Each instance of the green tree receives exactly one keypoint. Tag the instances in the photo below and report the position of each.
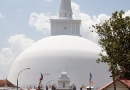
(115, 41)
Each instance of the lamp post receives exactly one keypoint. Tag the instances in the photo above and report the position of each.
(19, 74)
(49, 82)
(46, 74)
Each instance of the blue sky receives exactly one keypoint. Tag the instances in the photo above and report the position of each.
(21, 22)
(17, 12)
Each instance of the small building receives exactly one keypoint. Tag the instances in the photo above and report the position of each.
(64, 82)
(121, 84)
(5, 84)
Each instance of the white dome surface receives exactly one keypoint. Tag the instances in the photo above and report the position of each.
(64, 73)
(51, 55)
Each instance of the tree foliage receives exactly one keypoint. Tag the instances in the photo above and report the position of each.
(115, 40)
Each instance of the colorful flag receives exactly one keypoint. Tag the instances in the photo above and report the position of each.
(41, 77)
(90, 76)
(50, 86)
(30, 87)
(92, 82)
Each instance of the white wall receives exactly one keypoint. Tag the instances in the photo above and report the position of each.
(60, 84)
(65, 27)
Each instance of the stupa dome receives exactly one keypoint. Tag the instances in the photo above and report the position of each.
(51, 55)
(64, 73)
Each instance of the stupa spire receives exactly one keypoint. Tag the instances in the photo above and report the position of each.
(65, 9)
(65, 25)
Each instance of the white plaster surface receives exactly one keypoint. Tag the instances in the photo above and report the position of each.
(76, 55)
(65, 9)
(65, 27)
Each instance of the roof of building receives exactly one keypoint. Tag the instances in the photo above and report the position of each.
(6, 83)
(64, 73)
(121, 80)
(125, 82)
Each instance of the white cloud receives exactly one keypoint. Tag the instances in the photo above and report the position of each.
(48, 0)
(19, 10)
(1, 16)
(87, 21)
(6, 56)
(127, 13)
(18, 43)
(40, 21)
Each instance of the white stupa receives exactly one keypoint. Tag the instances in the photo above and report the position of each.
(65, 49)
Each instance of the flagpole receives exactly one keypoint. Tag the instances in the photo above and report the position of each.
(90, 81)
(90, 84)
(40, 79)
(39, 84)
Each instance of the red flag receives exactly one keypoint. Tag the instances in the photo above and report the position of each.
(41, 77)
